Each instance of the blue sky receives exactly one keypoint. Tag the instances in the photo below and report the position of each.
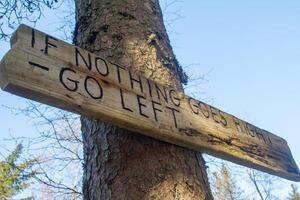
(252, 51)
(249, 51)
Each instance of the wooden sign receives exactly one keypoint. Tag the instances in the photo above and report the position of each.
(45, 69)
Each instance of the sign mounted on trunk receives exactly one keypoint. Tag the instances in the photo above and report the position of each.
(43, 68)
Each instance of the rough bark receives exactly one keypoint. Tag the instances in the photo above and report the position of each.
(120, 164)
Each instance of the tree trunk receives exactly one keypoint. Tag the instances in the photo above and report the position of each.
(120, 164)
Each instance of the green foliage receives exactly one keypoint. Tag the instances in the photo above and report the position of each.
(224, 186)
(14, 176)
(294, 194)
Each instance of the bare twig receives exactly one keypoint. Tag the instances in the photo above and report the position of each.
(15, 12)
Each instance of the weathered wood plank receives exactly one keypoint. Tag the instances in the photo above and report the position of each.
(53, 72)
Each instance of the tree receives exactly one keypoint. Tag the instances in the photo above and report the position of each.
(14, 176)
(58, 147)
(12, 13)
(129, 38)
(119, 164)
(184, 175)
(264, 184)
(225, 186)
(294, 194)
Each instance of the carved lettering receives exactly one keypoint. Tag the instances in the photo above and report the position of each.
(149, 86)
(62, 80)
(88, 62)
(118, 72)
(204, 110)
(155, 109)
(32, 38)
(48, 44)
(123, 101)
(174, 111)
(161, 92)
(223, 119)
(134, 80)
(175, 99)
(214, 114)
(141, 105)
(100, 62)
(86, 86)
(194, 105)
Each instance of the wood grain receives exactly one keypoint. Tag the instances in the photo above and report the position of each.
(45, 69)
